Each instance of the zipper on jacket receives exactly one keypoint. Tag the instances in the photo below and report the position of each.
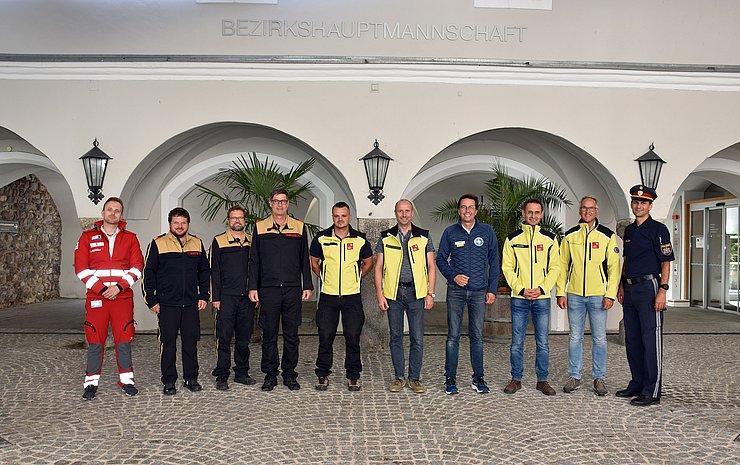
(342, 257)
(587, 250)
(532, 251)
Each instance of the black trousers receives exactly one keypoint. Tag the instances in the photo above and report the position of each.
(186, 321)
(280, 304)
(234, 319)
(327, 318)
(643, 338)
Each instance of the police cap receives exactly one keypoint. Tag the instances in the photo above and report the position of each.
(641, 192)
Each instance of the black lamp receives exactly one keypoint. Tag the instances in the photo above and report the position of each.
(650, 166)
(95, 163)
(376, 168)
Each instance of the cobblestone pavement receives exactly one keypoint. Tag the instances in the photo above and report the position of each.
(43, 419)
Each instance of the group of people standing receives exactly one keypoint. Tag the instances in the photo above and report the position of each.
(270, 270)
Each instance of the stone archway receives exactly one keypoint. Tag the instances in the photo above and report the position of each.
(47, 217)
(167, 176)
(464, 166)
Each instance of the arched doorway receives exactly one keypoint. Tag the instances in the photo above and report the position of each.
(167, 176)
(49, 225)
(465, 165)
(709, 268)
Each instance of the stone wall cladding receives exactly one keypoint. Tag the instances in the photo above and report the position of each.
(29, 261)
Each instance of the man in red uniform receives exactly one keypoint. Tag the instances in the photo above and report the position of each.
(108, 260)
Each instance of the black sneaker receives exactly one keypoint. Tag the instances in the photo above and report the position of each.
(169, 389)
(193, 385)
(354, 385)
(129, 389)
(222, 384)
(323, 383)
(269, 384)
(244, 379)
(90, 391)
(292, 384)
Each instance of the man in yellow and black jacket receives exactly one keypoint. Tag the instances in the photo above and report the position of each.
(588, 283)
(234, 311)
(279, 278)
(176, 286)
(531, 263)
(340, 256)
(405, 275)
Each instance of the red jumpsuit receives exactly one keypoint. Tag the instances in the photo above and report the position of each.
(98, 269)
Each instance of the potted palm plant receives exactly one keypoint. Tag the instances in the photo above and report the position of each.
(249, 182)
(504, 197)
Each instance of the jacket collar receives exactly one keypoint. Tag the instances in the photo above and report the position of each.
(414, 231)
(99, 225)
(330, 231)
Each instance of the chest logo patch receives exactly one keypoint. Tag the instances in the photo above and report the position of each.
(666, 249)
(540, 247)
(350, 246)
(96, 237)
(459, 243)
(415, 248)
(478, 241)
(594, 245)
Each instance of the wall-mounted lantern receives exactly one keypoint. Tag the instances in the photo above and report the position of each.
(95, 163)
(376, 168)
(650, 166)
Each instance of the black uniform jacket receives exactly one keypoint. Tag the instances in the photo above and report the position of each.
(176, 274)
(279, 255)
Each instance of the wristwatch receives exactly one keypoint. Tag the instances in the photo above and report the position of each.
(664, 286)
(432, 294)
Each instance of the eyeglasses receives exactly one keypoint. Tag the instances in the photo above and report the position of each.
(589, 209)
(466, 207)
(236, 218)
(279, 201)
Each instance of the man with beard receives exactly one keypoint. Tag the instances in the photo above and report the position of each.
(176, 279)
(108, 260)
(234, 311)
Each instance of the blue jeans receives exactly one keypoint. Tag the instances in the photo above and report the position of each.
(520, 310)
(578, 306)
(407, 302)
(457, 297)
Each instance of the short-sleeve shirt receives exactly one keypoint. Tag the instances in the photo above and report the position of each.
(645, 247)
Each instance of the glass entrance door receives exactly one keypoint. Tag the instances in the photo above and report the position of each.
(696, 259)
(715, 257)
(732, 261)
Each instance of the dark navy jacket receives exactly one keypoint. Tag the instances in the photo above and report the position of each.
(646, 247)
(475, 255)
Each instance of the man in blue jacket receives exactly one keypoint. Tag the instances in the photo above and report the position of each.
(468, 258)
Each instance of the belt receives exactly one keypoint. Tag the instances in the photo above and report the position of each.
(639, 279)
(411, 284)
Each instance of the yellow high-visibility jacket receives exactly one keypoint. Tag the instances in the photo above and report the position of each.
(590, 262)
(393, 256)
(531, 259)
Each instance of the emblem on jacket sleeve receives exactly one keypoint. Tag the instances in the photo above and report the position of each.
(478, 241)
(666, 249)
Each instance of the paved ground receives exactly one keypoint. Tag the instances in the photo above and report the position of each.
(67, 316)
(43, 419)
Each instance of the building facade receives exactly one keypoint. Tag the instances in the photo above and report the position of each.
(574, 91)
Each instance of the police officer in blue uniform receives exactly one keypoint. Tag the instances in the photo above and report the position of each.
(642, 293)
